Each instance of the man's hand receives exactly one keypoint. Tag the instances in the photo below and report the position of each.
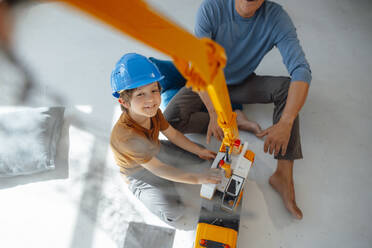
(277, 137)
(207, 154)
(214, 129)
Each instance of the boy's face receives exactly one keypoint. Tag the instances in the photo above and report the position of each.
(145, 100)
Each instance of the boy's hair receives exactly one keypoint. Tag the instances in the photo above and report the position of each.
(126, 96)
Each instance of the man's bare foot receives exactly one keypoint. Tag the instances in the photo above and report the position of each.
(245, 124)
(285, 188)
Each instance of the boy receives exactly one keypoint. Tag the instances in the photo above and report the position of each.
(135, 143)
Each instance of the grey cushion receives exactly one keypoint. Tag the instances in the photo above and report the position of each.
(28, 139)
(141, 235)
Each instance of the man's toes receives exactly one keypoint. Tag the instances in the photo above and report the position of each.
(295, 211)
(257, 129)
(250, 126)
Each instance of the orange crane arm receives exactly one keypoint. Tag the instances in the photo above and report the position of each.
(199, 60)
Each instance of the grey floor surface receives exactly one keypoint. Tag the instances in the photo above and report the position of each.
(73, 55)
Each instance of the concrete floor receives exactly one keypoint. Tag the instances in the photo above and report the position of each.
(73, 55)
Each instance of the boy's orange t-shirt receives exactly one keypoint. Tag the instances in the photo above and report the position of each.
(133, 144)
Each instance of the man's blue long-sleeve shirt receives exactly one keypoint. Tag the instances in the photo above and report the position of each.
(248, 40)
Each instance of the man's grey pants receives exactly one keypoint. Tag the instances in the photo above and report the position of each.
(159, 195)
(187, 113)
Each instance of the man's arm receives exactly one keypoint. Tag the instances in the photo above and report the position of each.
(180, 140)
(285, 38)
(176, 175)
(204, 21)
(297, 94)
(213, 128)
(278, 135)
(204, 28)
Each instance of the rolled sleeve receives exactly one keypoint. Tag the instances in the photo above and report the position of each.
(301, 74)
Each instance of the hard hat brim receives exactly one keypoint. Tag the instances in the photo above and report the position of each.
(137, 85)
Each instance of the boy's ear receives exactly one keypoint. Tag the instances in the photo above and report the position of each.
(124, 103)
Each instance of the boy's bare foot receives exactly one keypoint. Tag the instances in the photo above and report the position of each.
(245, 124)
(285, 188)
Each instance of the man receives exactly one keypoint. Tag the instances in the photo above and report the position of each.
(248, 30)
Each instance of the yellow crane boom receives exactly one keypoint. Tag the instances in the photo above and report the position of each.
(200, 61)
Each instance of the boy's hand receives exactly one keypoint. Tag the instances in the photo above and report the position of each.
(207, 154)
(210, 176)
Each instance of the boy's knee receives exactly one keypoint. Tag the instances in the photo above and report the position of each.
(173, 213)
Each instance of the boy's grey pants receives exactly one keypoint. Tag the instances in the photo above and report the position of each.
(159, 195)
(186, 111)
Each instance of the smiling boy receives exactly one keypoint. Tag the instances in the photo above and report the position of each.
(135, 144)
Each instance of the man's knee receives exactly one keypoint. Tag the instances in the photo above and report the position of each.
(282, 92)
(196, 122)
(182, 107)
(176, 121)
(176, 116)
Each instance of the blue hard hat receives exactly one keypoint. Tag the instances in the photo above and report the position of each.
(132, 71)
